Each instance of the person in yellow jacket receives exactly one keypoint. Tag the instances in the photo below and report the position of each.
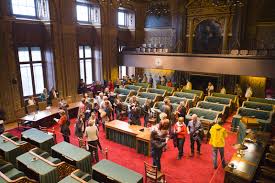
(217, 140)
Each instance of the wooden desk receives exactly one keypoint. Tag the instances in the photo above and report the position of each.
(45, 117)
(247, 165)
(73, 155)
(107, 171)
(133, 136)
(38, 138)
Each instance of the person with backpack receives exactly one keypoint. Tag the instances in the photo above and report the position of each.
(64, 125)
(217, 140)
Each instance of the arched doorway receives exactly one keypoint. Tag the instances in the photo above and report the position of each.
(208, 37)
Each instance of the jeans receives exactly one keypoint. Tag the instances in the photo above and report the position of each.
(156, 162)
(180, 146)
(66, 138)
(215, 156)
(192, 142)
(93, 149)
(146, 119)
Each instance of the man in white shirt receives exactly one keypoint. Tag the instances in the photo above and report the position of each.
(248, 92)
(210, 89)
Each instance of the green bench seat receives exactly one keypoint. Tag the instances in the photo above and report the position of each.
(203, 114)
(199, 93)
(158, 105)
(191, 96)
(8, 169)
(152, 96)
(218, 100)
(160, 92)
(258, 106)
(133, 88)
(123, 93)
(261, 100)
(230, 96)
(140, 100)
(215, 107)
(144, 86)
(169, 90)
(178, 100)
(263, 117)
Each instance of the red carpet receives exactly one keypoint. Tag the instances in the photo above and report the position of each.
(198, 169)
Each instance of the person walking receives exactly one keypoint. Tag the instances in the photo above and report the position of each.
(195, 129)
(180, 131)
(91, 134)
(217, 140)
(157, 145)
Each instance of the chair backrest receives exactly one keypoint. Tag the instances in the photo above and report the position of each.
(55, 102)
(21, 112)
(42, 105)
(31, 108)
(69, 99)
(150, 171)
(81, 143)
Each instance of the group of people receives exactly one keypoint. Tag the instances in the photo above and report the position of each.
(160, 136)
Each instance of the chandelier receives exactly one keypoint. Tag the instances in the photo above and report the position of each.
(230, 3)
(158, 8)
(115, 2)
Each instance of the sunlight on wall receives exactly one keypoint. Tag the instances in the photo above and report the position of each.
(258, 84)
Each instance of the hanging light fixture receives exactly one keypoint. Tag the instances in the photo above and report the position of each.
(158, 8)
(230, 3)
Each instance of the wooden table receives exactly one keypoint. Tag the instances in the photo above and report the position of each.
(133, 136)
(107, 171)
(45, 117)
(247, 164)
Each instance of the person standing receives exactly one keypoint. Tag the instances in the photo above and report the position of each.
(249, 92)
(217, 140)
(44, 95)
(210, 89)
(79, 126)
(91, 133)
(146, 111)
(180, 131)
(64, 125)
(157, 145)
(195, 129)
(151, 80)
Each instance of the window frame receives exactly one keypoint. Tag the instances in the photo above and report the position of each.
(84, 62)
(127, 13)
(90, 9)
(31, 63)
(25, 16)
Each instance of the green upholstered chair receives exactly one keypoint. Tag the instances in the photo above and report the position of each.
(230, 96)
(203, 114)
(258, 106)
(123, 93)
(144, 86)
(160, 92)
(152, 96)
(219, 100)
(169, 90)
(199, 93)
(262, 100)
(215, 107)
(134, 88)
(263, 117)
(178, 100)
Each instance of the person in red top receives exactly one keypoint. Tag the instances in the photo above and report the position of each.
(180, 130)
(64, 125)
(169, 83)
(111, 86)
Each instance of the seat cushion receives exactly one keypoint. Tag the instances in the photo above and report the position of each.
(14, 174)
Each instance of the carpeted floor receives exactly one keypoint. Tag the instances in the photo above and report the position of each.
(198, 169)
